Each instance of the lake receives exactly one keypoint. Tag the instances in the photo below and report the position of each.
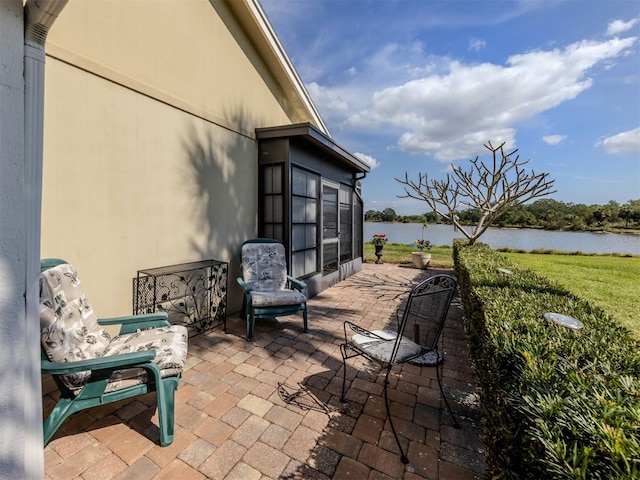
(525, 239)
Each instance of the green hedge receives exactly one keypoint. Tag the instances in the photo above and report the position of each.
(556, 403)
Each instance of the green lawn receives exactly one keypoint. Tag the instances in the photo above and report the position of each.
(441, 257)
(611, 282)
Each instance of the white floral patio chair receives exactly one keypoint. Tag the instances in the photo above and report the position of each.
(268, 291)
(92, 368)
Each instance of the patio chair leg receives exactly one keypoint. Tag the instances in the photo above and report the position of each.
(439, 376)
(243, 309)
(250, 323)
(344, 369)
(403, 457)
(60, 412)
(304, 318)
(166, 404)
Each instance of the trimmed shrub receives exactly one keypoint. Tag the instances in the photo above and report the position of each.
(556, 403)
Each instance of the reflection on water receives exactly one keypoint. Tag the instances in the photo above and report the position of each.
(525, 239)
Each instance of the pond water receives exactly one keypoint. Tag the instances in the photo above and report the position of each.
(525, 239)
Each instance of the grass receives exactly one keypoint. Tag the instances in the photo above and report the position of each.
(441, 257)
(611, 282)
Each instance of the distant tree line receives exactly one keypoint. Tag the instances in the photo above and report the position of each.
(544, 213)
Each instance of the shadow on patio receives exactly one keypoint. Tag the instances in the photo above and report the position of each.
(271, 409)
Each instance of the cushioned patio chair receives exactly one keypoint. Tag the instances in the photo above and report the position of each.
(92, 368)
(268, 291)
(415, 340)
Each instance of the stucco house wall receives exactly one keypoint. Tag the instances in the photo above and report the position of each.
(150, 156)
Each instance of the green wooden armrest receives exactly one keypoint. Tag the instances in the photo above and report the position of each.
(130, 319)
(247, 291)
(297, 284)
(124, 360)
(245, 286)
(131, 323)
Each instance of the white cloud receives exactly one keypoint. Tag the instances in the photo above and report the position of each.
(368, 159)
(554, 139)
(595, 179)
(476, 45)
(331, 100)
(628, 141)
(451, 115)
(421, 70)
(619, 26)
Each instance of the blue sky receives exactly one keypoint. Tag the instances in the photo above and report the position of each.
(416, 85)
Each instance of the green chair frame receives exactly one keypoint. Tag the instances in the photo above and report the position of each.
(93, 393)
(251, 313)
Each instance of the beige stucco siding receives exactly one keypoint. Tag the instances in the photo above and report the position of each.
(192, 51)
(149, 150)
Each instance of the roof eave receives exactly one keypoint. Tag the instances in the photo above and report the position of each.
(254, 20)
(311, 133)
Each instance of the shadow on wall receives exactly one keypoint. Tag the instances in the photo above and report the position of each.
(222, 172)
(12, 339)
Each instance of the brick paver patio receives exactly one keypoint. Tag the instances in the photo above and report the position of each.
(270, 409)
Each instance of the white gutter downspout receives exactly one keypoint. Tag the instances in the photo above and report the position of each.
(39, 16)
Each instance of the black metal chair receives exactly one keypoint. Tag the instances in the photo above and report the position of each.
(419, 325)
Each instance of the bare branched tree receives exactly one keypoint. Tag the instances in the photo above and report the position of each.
(492, 190)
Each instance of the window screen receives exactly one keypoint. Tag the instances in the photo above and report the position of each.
(304, 222)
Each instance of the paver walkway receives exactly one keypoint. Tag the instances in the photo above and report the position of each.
(270, 409)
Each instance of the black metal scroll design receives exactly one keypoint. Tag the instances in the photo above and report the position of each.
(195, 298)
(302, 398)
(379, 285)
(440, 282)
(218, 275)
(387, 286)
(361, 331)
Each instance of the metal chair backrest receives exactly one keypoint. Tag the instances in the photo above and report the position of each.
(425, 312)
